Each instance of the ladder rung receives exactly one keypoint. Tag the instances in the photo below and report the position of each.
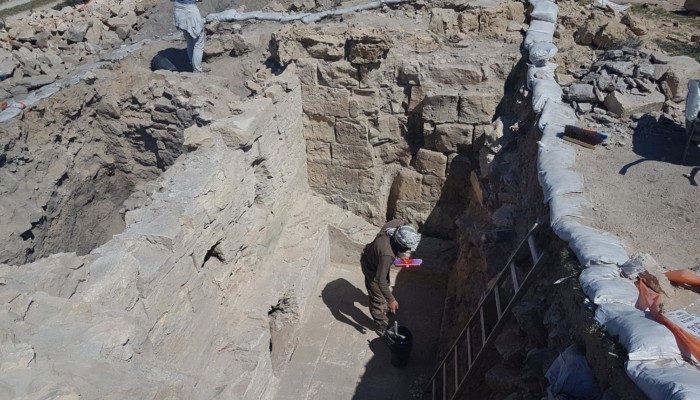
(497, 295)
(476, 357)
(456, 366)
(533, 249)
(444, 382)
(469, 349)
(483, 326)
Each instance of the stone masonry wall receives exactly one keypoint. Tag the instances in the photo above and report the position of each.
(395, 121)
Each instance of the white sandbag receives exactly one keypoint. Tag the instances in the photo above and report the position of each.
(665, 379)
(562, 206)
(551, 158)
(545, 71)
(687, 321)
(125, 50)
(557, 114)
(554, 158)
(608, 311)
(9, 113)
(692, 102)
(558, 182)
(607, 5)
(539, 32)
(540, 52)
(233, 15)
(603, 284)
(315, 17)
(551, 139)
(570, 375)
(543, 90)
(15, 108)
(595, 247)
(544, 10)
(644, 338)
(226, 15)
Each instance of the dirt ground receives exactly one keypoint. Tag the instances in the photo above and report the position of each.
(635, 182)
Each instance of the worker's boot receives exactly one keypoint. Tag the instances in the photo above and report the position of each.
(381, 330)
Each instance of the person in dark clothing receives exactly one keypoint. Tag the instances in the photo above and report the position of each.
(393, 241)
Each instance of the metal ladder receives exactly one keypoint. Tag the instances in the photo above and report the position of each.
(469, 350)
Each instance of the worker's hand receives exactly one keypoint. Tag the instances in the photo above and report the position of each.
(393, 306)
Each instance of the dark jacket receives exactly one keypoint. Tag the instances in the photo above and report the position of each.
(378, 257)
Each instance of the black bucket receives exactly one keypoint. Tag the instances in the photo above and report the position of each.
(400, 345)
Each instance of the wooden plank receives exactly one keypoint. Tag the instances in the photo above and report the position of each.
(578, 142)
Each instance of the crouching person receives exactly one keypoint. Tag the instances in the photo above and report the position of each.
(395, 240)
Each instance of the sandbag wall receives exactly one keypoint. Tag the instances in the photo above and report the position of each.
(655, 362)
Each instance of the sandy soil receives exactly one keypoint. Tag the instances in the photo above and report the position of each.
(638, 189)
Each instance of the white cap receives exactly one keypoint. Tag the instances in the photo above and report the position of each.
(407, 237)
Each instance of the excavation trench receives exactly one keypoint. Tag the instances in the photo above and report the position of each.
(224, 234)
(70, 165)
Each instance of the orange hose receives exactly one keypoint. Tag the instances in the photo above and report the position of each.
(683, 276)
(650, 299)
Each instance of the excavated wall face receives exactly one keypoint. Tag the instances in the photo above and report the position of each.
(416, 131)
(183, 302)
(396, 121)
(412, 126)
(70, 163)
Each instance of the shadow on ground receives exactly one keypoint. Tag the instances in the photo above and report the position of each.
(340, 297)
(171, 59)
(663, 141)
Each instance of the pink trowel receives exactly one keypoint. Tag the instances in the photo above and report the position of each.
(408, 262)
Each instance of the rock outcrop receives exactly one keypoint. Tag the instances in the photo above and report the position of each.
(217, 258)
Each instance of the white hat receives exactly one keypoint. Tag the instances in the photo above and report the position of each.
(407, 237)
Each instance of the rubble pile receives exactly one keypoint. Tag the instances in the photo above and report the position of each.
(625, 82)
(48, 44)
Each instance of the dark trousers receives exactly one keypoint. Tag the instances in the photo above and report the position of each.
(377, 303)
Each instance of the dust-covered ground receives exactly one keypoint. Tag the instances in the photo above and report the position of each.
(635, 181)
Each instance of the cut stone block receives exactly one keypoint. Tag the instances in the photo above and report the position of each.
(356, 157)
(453, 74)
(450, 137)
(318, 152)
(625, 105)
(322, 100)
(581, 92)
(431, 162)
(348, 131)
(478, 107)
(441, 106)
(320, 128)
(407, 185)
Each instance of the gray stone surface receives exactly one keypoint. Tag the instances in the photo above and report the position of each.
(441, 106)
(581, 92)
(338, 354)
(625, 105)
(178, 303)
